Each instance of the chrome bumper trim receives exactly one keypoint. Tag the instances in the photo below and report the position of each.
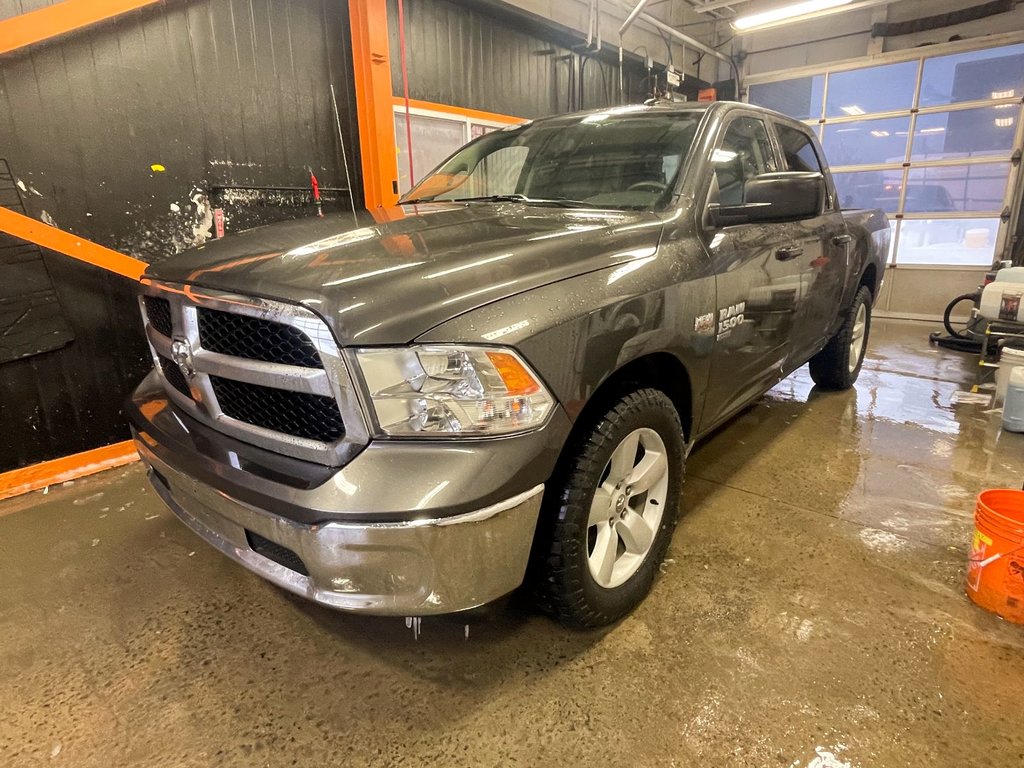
(413, 568)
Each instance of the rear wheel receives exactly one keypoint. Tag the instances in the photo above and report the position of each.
(608, 521)
(838, 365)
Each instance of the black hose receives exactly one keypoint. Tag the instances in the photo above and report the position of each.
(957, 340)
(947, 315)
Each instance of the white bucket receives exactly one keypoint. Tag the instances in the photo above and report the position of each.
(1013, 410)
(1009, 358)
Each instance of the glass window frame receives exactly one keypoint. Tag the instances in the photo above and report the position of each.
(978, 49)
(455, 114)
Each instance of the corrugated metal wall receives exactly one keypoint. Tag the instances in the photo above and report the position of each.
(468, 54)
(214, 91)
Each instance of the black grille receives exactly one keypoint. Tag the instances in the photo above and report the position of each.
(159, 313)
(174, 376)
(293, 413)
(256, 339)
(274, 551)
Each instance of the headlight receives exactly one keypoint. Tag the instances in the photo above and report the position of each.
(439, 391)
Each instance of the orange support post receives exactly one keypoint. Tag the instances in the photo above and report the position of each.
(59, 19)
(44, 235)
(371, 61)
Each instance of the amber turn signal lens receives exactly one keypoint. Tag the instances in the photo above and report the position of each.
(518, 380)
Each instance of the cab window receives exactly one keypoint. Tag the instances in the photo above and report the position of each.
(745, 152)
(798, 149)
(800, 154)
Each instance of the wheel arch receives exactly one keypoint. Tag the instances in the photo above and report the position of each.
(869, 279)
(658, 370)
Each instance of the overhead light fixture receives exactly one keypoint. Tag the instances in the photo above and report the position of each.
(785, 13)
(853, 109)
(1003, 122)
(879, 134)
(1007, 94)
(936, 129)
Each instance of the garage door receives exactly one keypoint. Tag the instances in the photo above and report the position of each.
(933, 140)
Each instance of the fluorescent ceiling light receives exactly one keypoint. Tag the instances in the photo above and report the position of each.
(880, 134)
(936, 129)
(785, 13)
(853, 109)
(1008, 94)
(1003, 122)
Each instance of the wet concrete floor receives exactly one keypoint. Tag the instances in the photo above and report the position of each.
(811, 613)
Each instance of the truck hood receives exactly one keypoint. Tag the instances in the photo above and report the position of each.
(390, 275)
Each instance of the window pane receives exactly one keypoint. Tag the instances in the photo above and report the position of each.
(990, 74)
(433, 139)
(966, 133)
(797, 149)
(868, 141)
(870, 189)
(498, 173)
(476, 130)
(874, 89)
(968, 242)
(799, 98)
(745, 153)
(957, 188)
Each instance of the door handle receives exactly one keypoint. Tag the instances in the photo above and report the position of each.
(841, 239)
(789, 252)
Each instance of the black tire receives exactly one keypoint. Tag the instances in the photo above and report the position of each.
(563, 583)
(831, 368)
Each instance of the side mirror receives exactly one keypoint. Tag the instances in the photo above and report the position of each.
(773, 198)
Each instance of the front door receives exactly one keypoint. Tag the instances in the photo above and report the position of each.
(758, 276)
(823, 251)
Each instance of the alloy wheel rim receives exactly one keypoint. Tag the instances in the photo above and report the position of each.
(859, 337)
(627, 508)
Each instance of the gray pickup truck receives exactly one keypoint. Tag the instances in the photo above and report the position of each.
(500, 378)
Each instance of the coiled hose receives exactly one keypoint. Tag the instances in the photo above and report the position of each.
(959, 340)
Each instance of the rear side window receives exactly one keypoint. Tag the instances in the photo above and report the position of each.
(798, 149)
(746, 152)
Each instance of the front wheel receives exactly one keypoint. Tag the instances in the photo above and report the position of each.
(838, 365)
(608, 519)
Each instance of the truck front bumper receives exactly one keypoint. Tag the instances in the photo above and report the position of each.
(406, 528)
(414, 568)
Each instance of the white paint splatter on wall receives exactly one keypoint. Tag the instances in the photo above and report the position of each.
(202, 229)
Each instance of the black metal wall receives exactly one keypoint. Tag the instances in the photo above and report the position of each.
(213, 92)
(470, 53)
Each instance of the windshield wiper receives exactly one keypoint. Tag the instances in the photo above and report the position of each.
(562, 202)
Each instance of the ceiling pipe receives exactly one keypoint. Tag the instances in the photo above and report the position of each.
(632, 16)
(714, 6)
(686, 39)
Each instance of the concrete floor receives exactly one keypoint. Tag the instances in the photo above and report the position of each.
(811, 613)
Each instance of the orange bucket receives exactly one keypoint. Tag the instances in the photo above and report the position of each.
(995, 572)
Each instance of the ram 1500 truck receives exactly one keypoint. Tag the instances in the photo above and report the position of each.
(500, 378)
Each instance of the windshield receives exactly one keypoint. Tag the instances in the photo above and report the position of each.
(605, 160)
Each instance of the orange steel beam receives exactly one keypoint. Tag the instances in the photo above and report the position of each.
(371, 59)
(76, 247)
(19, 481)
(70, 245)
(59, 19)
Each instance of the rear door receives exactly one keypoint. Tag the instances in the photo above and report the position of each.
(821, 251)
(758, 280)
